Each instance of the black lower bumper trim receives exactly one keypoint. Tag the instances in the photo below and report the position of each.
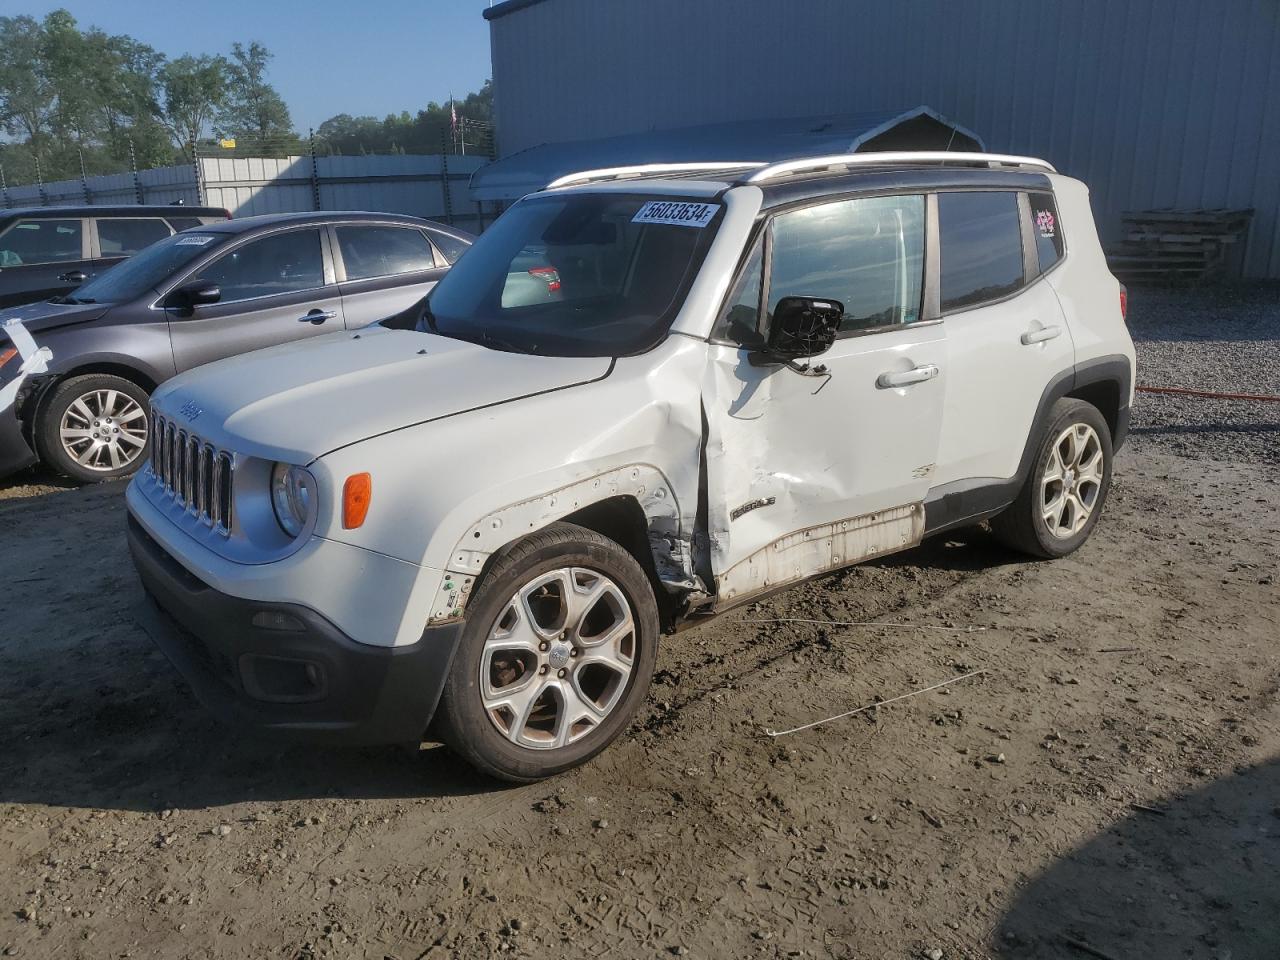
(15, 452)
(284, 667)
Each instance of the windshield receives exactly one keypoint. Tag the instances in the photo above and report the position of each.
(587, 275)
(146, 270)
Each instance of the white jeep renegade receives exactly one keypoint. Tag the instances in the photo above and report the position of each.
(643, 397)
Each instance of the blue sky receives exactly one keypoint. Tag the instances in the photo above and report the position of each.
(331, 56)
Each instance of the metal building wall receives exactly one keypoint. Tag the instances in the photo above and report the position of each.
(1154, 103)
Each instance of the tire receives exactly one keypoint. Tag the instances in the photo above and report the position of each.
(94, 427)
(537, 686)
(1045, 520)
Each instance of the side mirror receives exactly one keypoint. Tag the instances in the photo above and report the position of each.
(801, 327)
(195, 294)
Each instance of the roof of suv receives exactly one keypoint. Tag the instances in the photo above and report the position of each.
(115, 210)
(808, 177)
(271, 219)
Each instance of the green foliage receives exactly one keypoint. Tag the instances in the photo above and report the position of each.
(429, 131)
(71, 97)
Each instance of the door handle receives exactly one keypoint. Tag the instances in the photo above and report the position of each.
(73, 276)
(1041, 335)
(904, 378)
(318, 316)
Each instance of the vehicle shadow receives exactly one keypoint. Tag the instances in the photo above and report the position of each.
(1196, 879)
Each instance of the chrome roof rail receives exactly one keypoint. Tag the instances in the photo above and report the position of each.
(648, 170)
(892, 158)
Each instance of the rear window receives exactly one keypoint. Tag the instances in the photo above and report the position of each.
(125, 236)
(450, 247)
(980, 248)
(1047, 230)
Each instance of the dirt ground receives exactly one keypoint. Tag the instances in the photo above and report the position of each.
(1111, 783)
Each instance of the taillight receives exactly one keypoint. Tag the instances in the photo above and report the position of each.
(548, 274)
(7, 355)
(1124, 302)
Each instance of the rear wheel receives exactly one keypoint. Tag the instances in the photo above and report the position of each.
(1062, 498)
(559, 646)
(94, 427)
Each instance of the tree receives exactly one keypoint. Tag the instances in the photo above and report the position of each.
(253, 109)
(195, 89)
(27, 100)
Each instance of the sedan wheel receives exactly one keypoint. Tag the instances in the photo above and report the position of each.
(104, 430)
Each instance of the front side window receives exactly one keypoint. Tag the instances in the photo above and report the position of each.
(145, 273)
(30, 242)
(124, 237)
(1047, 230)
(370, 251)
(740, 322)
(280, 263)
(576, 275)
(979, 248)
(450, 247)
(866, 253)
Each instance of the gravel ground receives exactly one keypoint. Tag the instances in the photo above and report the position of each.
(1110, 781)
(1224, 339)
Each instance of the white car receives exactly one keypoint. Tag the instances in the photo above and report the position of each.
(748, 375)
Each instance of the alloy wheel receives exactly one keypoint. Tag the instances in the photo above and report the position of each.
(104, 430)
(1072, 480)
(557, 658)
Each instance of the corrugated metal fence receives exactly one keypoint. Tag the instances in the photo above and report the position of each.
(433, 186)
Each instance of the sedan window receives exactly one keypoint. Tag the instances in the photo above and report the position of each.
(450, 246)
(373, 251)
(279, 263)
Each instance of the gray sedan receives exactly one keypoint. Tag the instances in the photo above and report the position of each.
(76, 371)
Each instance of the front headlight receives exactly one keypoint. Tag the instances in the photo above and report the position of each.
(293, 497)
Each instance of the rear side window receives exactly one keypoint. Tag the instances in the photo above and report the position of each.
(369, 251)
(124, 237)
(866, 253)
(186, 223)
(980, 248)
(40, 241)
(1047, 230)
(451, 247)
(280, 263)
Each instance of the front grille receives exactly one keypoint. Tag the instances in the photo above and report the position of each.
(196, 474)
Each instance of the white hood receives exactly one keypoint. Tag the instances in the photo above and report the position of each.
(299, 401)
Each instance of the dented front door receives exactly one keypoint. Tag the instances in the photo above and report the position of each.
(807, 473)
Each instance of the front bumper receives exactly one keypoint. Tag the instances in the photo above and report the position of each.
(15, 452)
(284, 667)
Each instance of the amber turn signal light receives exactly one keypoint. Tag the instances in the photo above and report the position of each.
(356, 493)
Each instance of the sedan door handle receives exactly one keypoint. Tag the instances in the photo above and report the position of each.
(73, 276)
(905, 378)
(318, 316)
(1041, 335)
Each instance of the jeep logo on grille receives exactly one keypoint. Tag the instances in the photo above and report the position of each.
(190, 411)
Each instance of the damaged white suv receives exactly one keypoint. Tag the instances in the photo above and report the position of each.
(643, 397)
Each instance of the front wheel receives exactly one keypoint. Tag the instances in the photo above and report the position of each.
(1062, 497)
(557, 653)
(94, 427)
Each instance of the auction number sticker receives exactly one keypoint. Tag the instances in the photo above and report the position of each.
(196, 240)
(677, 213)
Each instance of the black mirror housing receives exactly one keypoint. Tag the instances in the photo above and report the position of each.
(196, 294)
(803, 327)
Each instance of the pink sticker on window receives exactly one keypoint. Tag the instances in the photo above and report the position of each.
(1045, 223)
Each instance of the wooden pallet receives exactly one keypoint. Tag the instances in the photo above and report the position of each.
(1181, 245)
